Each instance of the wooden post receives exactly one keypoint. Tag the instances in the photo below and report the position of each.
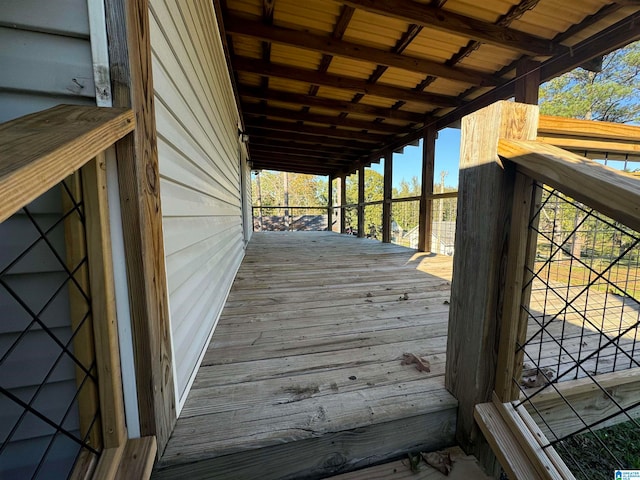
(426, 201)
(287, 220)
(342, 200)
(484, 215)
(387, 193)
(361, 202)
(330, 204)
(527, 81)
(137, 156)
(103, 303)
(259, 200)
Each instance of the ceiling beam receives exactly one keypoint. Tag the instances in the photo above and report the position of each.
(261, 142)
(312, 130)
(252, 65)
(614, 37)
(438, 19)
(283, 157)
(285, 113)
(264, 151)
(236, 25)
(330, 104)
(285, 167)
(312, 139)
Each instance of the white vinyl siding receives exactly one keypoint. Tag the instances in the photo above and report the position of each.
(45, 60)
(197, 124)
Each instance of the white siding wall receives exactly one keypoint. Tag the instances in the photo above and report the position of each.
(197, 124)
(45, 59)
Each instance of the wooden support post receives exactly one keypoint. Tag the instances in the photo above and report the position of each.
(387, 193)
(330, 203)
(103, 303)
(527, 81)
(426, 202)
(484, 215)
(137, 156)
(342, 200)
(361, 202)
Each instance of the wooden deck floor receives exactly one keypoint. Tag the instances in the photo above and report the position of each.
(303, 376)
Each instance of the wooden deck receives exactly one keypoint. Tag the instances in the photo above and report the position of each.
(303, 377)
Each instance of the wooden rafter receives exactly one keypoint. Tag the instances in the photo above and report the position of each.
(312, 130)
(310, 138)
(261, 150)
(245, 64)
(284, 145)
(285, 113)
(330, 104)
(241, 26)
(431, 17)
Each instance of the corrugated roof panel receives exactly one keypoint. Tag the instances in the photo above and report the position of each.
(335, 93)
(351, 68)
(249, 7)
(250, 79)
(375, 30)
(316, 15)
(247, 47)
(435, 45)
(295, 57)
(290, 86)
(488, 10)
(401, 78)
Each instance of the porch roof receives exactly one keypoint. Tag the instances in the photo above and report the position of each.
(326, 86)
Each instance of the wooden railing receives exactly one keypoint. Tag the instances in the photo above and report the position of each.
(37, 152)
(503, 157)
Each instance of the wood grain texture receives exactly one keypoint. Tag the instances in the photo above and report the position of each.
(438, 19)
(426, 199)
(103, 303)
(465, 467)
(609, 191)
(236, 25)
(304, 373)
(81, 320)
(517, 260)
(132, 86)
(484, 214)
(38, 151)
(137, 458)
(588, 400)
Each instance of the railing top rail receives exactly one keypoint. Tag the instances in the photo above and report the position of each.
(592, 138)
(38, 151)
(614, 193)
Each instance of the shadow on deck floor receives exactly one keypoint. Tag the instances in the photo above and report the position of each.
(303, 375)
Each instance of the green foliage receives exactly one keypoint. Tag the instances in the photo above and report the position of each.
(373, 191)
(304, 190)
(611, 95)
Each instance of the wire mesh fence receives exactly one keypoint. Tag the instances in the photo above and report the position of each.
(274, 219)
(582, 337)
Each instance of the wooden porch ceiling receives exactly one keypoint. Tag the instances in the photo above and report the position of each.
(326, 86)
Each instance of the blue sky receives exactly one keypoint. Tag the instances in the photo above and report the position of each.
(409, 163)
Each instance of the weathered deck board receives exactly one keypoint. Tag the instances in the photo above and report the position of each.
(303, 375)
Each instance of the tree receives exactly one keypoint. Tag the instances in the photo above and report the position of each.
(612, 95)
(373, 191)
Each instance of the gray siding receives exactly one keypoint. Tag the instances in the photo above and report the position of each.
(45, 60)
(198, 148)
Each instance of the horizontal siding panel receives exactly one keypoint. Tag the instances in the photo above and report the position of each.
(18, 232)
(192, 171)
(181, 201)
(62, 17)
(200, 259)
(174, 228)
(52, 401)
(18, 104)
(17, 461)
(200, 173)
(14, 316)
(32, 360)
(46, 63)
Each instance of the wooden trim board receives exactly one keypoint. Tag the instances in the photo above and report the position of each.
(40, 150)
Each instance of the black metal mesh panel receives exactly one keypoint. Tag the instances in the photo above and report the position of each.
(48, 383)
(583, 320)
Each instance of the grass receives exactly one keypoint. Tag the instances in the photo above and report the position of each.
(626, 277)
(594, 461)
